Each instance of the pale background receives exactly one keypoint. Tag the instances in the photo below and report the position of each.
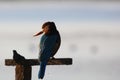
(90, 32)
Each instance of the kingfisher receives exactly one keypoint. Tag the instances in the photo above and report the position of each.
(49, 44)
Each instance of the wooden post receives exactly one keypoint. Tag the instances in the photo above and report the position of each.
(27, 72)
(19, 72)
(24, 72)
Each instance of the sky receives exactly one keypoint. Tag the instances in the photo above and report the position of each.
(73, 11)
(90, 33)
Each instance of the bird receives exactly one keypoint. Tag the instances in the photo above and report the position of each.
(56, 46)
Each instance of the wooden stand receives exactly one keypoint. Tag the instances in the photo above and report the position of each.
(24, 72)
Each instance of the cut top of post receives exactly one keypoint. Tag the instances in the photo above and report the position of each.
(32, 62)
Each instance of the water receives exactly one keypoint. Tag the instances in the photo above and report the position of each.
(92, 59)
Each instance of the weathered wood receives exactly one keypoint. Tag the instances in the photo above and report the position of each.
(27, 72)
(19, 72)
(32, 62)
(23, 71)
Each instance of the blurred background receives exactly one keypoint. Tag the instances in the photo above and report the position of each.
(90, 32)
